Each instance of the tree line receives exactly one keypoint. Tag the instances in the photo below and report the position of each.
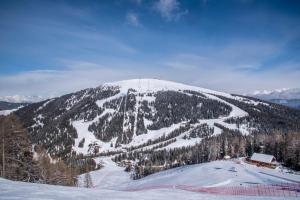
(21, 161)
(285, 146)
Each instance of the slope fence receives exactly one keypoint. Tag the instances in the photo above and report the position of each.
(273, 190)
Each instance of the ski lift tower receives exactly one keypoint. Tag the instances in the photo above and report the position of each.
(139, 87)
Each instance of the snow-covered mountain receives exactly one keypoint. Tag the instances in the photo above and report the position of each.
(146, 114)
(22, 99)
(285, 96)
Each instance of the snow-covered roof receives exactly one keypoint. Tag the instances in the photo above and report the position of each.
(262, 157)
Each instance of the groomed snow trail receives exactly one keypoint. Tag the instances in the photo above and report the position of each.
(31, 191)
(218, 180)
(232, 177)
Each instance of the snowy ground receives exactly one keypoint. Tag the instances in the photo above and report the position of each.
(29, 191)
(7, 112)
(217, 173)
(112, 182)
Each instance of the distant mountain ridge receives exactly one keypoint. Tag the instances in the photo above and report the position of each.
(284, 93)
(22, 98)
(9, 106)
(287, 97)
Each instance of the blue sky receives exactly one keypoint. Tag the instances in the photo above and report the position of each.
(53, 47)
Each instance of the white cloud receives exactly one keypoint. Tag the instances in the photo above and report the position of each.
(132, 19)
(58, 82)
(239, 67)
(231, 68)
(236, 56)
(169, 9)
(87, 37)
(82, 74)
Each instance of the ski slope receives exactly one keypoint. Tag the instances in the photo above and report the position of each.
(213, 177)
(143, 87)
(201, 181)
(229, 173)
(30, 191)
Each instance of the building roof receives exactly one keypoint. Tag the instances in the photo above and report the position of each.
(262, 157)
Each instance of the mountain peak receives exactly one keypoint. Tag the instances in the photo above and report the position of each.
(154, 85)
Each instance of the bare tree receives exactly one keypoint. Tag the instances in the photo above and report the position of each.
(88, 180)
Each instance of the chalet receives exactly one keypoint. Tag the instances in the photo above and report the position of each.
(263, 160)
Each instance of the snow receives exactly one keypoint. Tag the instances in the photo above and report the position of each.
(73, 100)
(217, 131)
(43, 106)
(227, 182)
(155, 85)
(216, 173)
(7, 112)
(235, 113)
(144, 87)
(147, 122)
(38, 121)
(112, 182)
(136, 113)
(180, 142)
(31, 191)
(107, 177)
(102, 101)
(262, 157)
(83, 132)
(250, 101)
(154, 134)
(145, 90)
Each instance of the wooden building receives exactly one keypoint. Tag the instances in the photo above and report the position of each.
(263, 160)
